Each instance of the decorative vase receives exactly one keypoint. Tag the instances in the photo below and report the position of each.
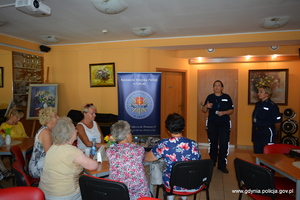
(45, 105)
(7, 139)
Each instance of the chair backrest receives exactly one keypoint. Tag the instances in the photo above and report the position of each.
(191, 174)
(279, 148)
(94, 188)
(256, 178)
(24, 193)
(17, 155)
(20, 176)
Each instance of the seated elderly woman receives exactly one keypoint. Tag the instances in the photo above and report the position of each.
(174, 149)
(126, 161)
(64, 163)
(13, 123)
(42, 141)
(88, 128)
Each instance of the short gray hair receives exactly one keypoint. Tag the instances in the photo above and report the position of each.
(62, 131)
(119, 130)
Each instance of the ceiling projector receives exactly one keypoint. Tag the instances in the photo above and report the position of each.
(33, 7)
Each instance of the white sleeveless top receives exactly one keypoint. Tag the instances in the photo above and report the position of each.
(90, 132)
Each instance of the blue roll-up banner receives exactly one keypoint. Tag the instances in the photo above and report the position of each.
(139, 101)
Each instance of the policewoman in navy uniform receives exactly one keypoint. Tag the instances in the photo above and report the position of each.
(266, 120)
(219, 106)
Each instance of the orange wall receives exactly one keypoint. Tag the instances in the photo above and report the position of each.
(69, 67)
(6, 91)
(244, 110)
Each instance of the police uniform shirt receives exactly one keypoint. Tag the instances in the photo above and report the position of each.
(266, 114)
(220, 103)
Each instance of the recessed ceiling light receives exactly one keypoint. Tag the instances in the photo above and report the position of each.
(110, 6)
(275, 22)
(210, 50)
(49, 38)
(142, 31)
(274, 48)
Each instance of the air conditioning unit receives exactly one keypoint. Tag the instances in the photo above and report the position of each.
(33, 7)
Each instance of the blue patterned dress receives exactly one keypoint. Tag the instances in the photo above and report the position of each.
(126, 165)
(175, 149)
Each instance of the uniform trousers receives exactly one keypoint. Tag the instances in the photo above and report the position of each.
(262, 136)
(219, 135)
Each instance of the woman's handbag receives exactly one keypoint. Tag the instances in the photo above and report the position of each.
(156, 172)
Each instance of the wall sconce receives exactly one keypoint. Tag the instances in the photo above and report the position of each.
(142, 31)
(110, 6)
(275, 22)
(49, 38)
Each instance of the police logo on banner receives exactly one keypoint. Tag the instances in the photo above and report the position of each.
(139, 104)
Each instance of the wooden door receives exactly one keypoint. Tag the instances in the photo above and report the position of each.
(173, 96)
(206, 79)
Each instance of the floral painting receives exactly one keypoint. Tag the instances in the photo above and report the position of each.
(102, 75)
(41, 96)
(276, 79)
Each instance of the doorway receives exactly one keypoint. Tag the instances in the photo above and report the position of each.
(206, 79)
(173, 96)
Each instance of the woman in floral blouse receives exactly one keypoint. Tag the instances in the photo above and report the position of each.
(174, 149)
(126, 161)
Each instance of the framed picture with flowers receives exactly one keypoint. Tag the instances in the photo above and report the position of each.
(41, 96)
(277, 79)
(102, 75)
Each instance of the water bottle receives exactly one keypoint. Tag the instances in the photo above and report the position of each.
(136, 140)
(93, 149)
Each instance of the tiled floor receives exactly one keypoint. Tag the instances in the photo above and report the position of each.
(221, 186)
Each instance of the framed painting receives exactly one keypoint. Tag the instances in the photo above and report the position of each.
(102, 75)
(41, 96)
(277, 79)
(1, 77)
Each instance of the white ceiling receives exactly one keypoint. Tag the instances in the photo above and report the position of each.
(78, 21)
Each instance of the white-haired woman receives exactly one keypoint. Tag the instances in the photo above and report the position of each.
(126, 161)
(42, 141)
(64, 163)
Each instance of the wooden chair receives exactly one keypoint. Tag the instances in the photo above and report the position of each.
(190, 175)
(94, 188)
(254, 179)
(24, 193)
